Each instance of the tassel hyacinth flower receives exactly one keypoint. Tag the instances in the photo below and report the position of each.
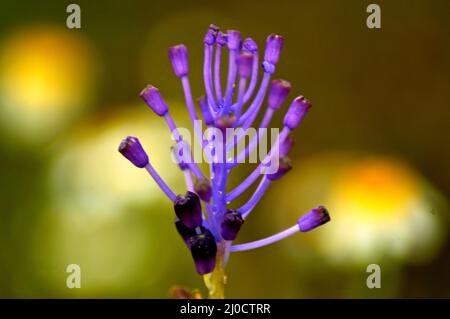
(205, 216)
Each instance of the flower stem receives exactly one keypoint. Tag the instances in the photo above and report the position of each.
(215, 281)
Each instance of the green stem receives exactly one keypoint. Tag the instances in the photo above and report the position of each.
(215, 281)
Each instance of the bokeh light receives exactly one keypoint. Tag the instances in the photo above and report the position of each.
(381, 209)
(46, 79)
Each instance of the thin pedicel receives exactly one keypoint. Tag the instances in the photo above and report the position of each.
(203, 215)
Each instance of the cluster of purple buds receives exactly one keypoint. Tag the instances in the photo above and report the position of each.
(203, 216)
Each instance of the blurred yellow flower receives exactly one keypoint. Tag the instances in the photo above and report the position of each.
(45, 79)
(380, 208)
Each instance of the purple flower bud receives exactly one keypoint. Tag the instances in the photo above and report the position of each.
(204, 250)
(284, 166)
(154, 100)
(296, 112)
(131, 148)
(186, 233)
(250, 46)
(221, 38)
(314, 218)
(210, 36)
(234, 40)
(179, 155)
(178, 55)
(286, 145)
(279, 90)
(274, 45)
(203, 188)
(188, 209)
(231, 224)
(206, 113)
(244, 61)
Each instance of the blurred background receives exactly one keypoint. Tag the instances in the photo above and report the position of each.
(374, 149)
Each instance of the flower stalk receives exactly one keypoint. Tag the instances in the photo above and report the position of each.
(205, 216)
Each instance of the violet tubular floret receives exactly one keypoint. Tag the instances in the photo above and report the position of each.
(296, 112)
(178, 55)
(188, 209)
(231, 224)
(131, 148)
(313, 219)
(204, 250)
(154, 100)
(278, 92)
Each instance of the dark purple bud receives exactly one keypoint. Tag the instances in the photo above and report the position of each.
(286, 145)
(314, 218)
(250, 46)
(186, 233)
(178, 55)
(234, 40)
(296, 112)
(221, 38)
(203, 188)
(274, 45)
(245, 61)
(279, 90)
(204, 250)
(231, 224)
(211, 34)
(131, 148)
(178, 152)
(154, 100)
(206, 113)
(284, 166)
(225, 121)
(188, 209)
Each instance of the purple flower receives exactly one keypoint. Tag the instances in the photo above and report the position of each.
(314, 218)
(231, 224)
(178, 55)
(131, 148)
(188, 209)
(209, 226)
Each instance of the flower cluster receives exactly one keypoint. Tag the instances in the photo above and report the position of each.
(204, 217)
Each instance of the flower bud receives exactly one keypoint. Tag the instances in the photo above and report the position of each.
(274, 45)
(153, 98)
(284, 166)
(204, 250)
(231, 224)
(314, 218)
(234, 40)
(178, 55)
(296, 112)
(188, 209)
(250, 46)
(244, 62)
(131, 148)
(221, 38)
(210, 36)
(203, 188)
(279, 90)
